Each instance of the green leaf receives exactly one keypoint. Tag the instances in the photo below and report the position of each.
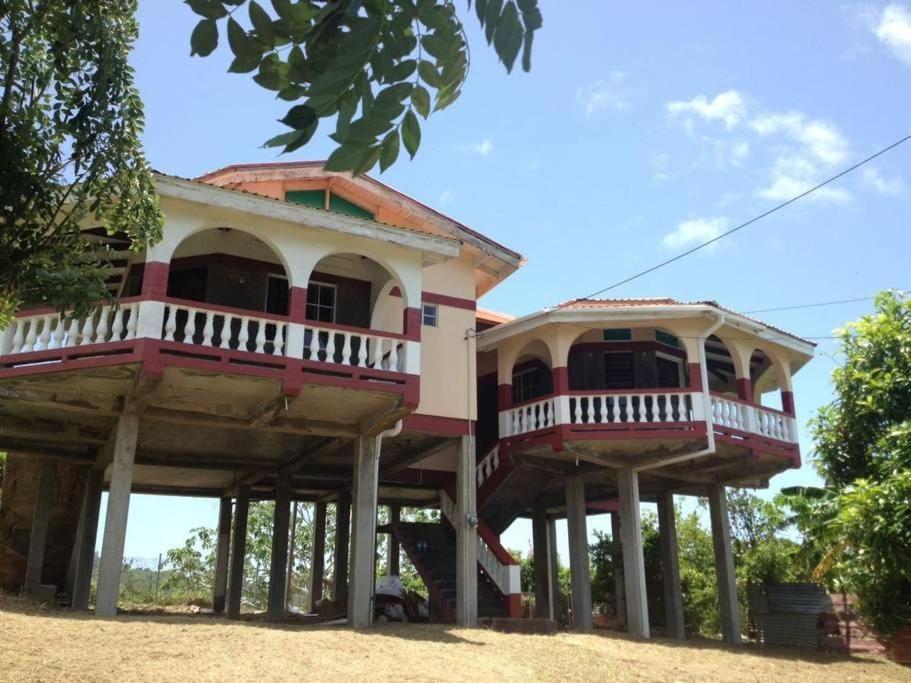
(204, 38)
(210, 9)
(262, 23)
(242, 65)
(420, 100)
(389, 150)
(241, 44)
(283, 139)
(411, 133)
(402, 70)
(491, 17)
(429, 74)
(369, 161)
(299, 117)
(508, 38)
(346, 158)
(302, 139)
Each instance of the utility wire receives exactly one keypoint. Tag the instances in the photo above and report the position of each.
(816, 305)
(749, 222)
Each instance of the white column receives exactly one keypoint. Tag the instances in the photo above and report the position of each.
(363, 531)
(633, 558)
(578, 554)
(150, 319)
(466, 536)
(724, 565)
(115, 521)
(670, 566)
(294, 341)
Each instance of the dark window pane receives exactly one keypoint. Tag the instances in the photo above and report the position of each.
(668, 373)
(618, 371)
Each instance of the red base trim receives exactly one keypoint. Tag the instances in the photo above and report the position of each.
(435, 424)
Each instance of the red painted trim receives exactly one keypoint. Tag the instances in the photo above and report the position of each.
(155, 279)
(297, 305)
(218, 308)
(504, 396)
(493, 542)
(433, 479)
(561, 380)
(694, 370)
(411, 323)
(603, 505)
(435, 424)
(441, 299)
(787, 403)
(514, 605)
(745, 390)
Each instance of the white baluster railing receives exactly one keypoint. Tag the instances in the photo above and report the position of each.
(488, 465)
(653, 408)
(49, 331)
(755, 419)
(228, 331)
(366, 349)
(530, 417)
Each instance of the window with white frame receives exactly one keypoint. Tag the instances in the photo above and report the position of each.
(525, 385)
(321, 301)
(669, 370)
(430, 315)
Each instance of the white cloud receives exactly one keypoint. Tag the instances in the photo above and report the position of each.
(894, 30)
(605, 94)
(794, 175)
(821, 139)
(692, 232)
(873, 178)
(446, 198)
(727, 107)
(482, 148)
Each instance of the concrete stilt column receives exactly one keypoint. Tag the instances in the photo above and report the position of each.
(34, 567)
(633, 558)
(363, 531)
(670, 566)
(578, 554)
(724, 565)
(342, 538)
(85, 541)
(553, 571)
(466, 536)
(238, 551)
(279, 562)
(222, 549)
(115, 521)
(318, 561)
(394, 562)
(619, 585)
(543, 602)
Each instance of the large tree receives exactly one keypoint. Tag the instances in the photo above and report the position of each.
(370, 64)
(70, 155)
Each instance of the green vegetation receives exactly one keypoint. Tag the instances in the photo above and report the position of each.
(70, 126)
(370, 64)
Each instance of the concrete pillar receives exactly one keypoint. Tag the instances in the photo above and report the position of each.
(543, 601)
(41, 516)
(318, 561)
(395, 514)
(553, 571)
(363, 531)
(115, 521)
(342, 536)
(670, 566)
(619, 585)
(85, 541)
(578, 554)
(633, 558)
(466, 536)
(279, 562)
(238, 551)
(724, 565)
(222, 549)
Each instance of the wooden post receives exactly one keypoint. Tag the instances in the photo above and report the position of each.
(619, 581)
(633, 558)
(41, 515)
(85, 542)
(238, 550)
(222, 550)
(670, 566)
(395, 515)
(318, 562)
(466, 536)
(363, 534)
(578, 554)
(724, 565)
(543, 602)
(278, 564)
(342, 537)
(553, 571)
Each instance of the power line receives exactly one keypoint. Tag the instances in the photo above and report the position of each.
(749, 222)
(816, 305)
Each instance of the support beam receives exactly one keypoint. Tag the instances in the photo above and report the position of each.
(466, 527)
(363, 531)
(85, 541)
(318, 561)
(633, 558)
(278, 566)
(115, 521)
(578, 554)
(395, 515)
(41, 515)
(543, 603)
(619, 581)
(342, 537)
(222, 550)
(670, 566)
(238, 550)
(553, 571)
(724, 565)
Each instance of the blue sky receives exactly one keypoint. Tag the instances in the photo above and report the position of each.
(643, 129)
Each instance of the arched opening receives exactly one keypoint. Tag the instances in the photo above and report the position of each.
(355, 291)
(532, 373)
(765, 381)
(232, 268)
(720, 367)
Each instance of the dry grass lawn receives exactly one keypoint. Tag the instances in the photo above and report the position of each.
(41, 644)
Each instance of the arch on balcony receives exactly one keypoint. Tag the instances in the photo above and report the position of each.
(229, 267)
(357, 290)
(721, 366)
(767, 380)
(532, 372)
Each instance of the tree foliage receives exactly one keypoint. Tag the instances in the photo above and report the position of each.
(374, 66)
(70, 154)
(859, 525)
